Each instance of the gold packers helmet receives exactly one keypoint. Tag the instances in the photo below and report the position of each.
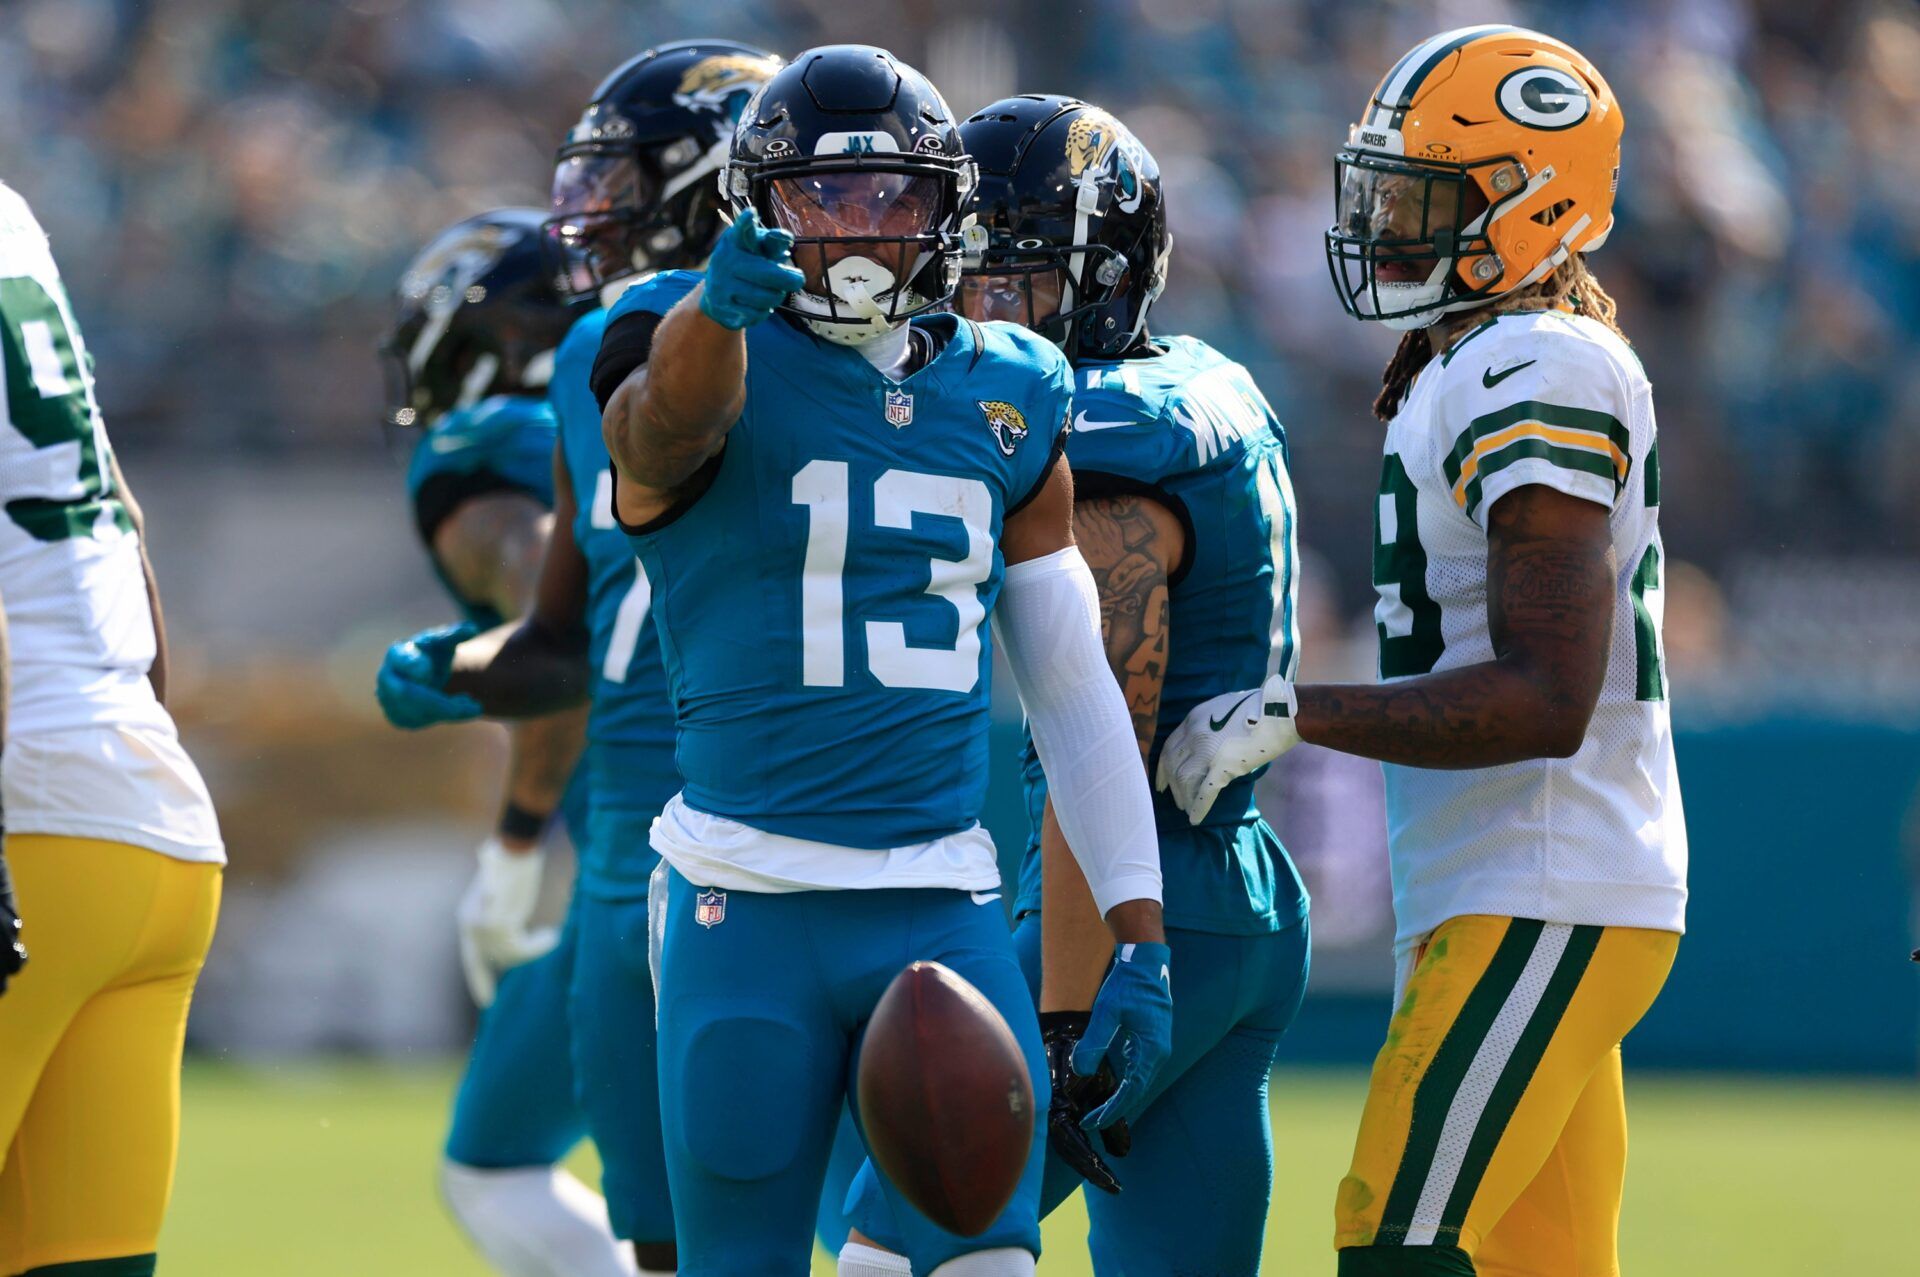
(1487, 156)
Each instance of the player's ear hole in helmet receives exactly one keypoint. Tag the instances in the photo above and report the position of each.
(858, 156)
(633, 184)
(475, 314)
(1072, 224)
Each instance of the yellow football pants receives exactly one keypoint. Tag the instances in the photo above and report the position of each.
(1494, 1139)
(90, 1037)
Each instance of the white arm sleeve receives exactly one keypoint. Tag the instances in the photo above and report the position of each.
(1048, 620)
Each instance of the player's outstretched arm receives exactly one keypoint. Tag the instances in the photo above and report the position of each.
(1551, 578)
(671, 413)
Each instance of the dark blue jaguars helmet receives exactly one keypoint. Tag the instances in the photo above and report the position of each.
(1076, 224)
(633, 184)
(857, 154)
(476, 314)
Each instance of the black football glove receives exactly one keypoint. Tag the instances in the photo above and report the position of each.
(13, 954)
(1074, 1097)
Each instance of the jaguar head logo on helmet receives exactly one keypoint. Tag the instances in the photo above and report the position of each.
(1071, 222)
(725, 81)
(1486, 158)
(1101, 149)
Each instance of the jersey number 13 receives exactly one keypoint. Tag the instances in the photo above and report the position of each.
(821, 486)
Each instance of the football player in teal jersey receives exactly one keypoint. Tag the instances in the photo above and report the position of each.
(833, 488)
(468, 356)
(1184, 510)
(632, 193)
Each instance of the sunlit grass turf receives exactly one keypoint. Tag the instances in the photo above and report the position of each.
(319, 1171)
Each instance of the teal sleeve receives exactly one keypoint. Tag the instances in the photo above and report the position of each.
(1122, 436)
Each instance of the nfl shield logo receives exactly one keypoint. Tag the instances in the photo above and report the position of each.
(710, 908)
(899, 408)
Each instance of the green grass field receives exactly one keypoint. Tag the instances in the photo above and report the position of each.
(320, 1171)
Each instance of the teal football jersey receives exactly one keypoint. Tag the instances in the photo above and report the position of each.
(630, 726)
(507, 437)
(823, 605)
(1188, 427)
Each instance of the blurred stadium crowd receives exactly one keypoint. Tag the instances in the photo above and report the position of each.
(233, 184)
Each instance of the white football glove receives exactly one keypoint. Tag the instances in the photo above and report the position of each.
(1225, 738)
(494, 914)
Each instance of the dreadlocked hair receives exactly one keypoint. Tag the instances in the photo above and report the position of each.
(1570, 285)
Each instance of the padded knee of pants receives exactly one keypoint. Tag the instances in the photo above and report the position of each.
(1405, 1261)
(738, 1133)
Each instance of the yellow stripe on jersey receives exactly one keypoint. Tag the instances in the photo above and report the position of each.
(1581, 439)
(1591, 441)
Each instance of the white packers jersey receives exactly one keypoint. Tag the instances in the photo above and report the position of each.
(89, 750)
(1599, 838)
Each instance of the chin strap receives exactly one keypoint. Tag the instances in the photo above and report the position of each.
(857, 296)
(860, 301)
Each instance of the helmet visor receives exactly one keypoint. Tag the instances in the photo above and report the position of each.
(856, 205)
(598, 200)
(1029, 296)
(1399, 229)
(858, 232)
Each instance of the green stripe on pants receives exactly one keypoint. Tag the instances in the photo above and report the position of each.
(1434, 1099)
(1518, 1072)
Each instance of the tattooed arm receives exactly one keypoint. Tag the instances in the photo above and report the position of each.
(1551, 578)
(1132, 544)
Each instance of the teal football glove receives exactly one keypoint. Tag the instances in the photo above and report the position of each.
(1131, 1028)
(751, 272)
(414, 674)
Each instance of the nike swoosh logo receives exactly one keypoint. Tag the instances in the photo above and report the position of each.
(1080, 422)
(1490, 379)
(985, 897)
(1217, 723)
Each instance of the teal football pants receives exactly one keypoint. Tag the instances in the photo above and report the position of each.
(764, 999)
